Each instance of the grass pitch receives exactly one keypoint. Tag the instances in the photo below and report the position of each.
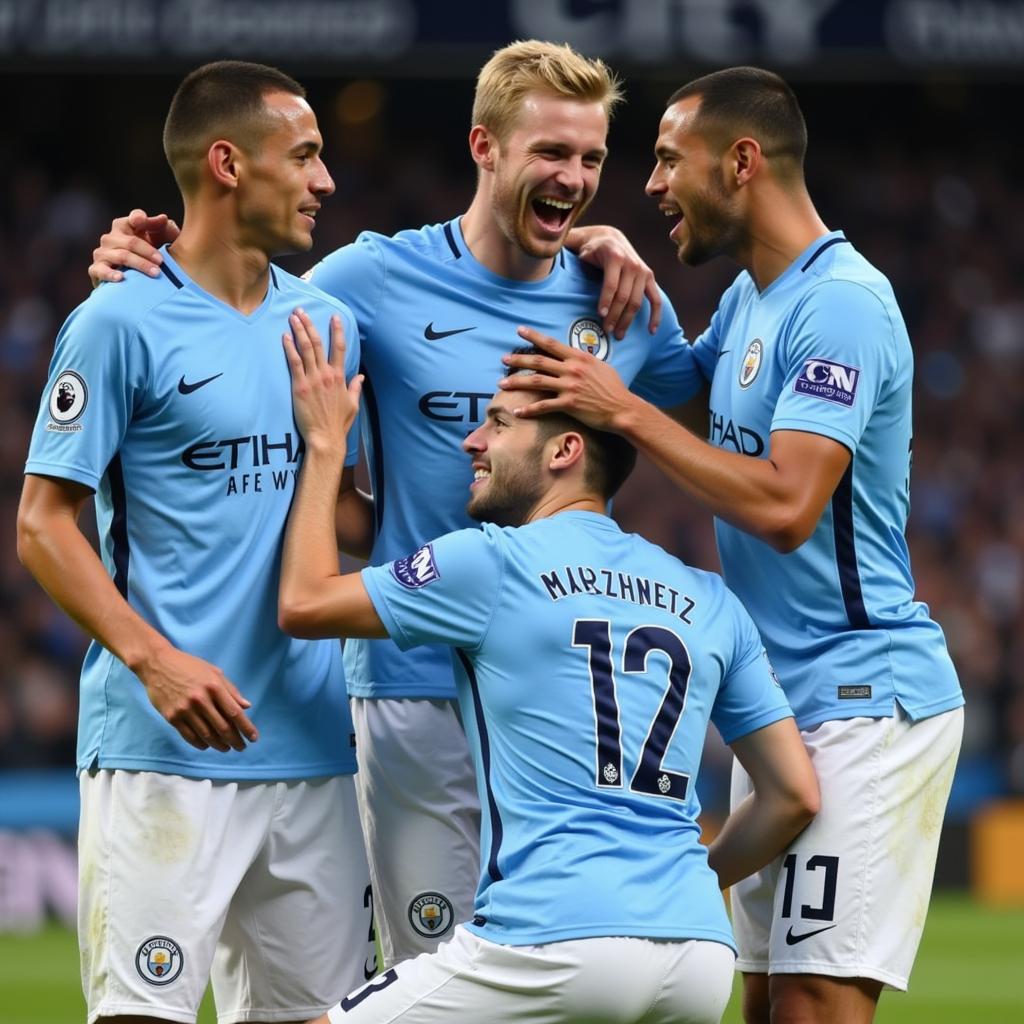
(969, 969)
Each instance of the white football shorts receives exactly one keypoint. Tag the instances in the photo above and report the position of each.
(848, 898)
(260, 886)
(421, 819)
(613, 980)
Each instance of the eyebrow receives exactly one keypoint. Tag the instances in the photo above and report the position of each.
(661, 151)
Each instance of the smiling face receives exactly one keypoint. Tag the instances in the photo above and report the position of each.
(284, 178)
(547, 169)
(508, 452)
(689, 184)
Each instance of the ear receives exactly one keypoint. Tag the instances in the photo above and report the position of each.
(568, 453)
(744, 159)
(483, 147)
(222, 160)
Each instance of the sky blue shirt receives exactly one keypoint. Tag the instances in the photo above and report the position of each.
(824, 350)
(176, 409)
(589, 663)
(434, 324)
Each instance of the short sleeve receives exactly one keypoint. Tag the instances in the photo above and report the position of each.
(96, 377)
(750, 696)
(354, 274)
(670, 375)
(445, 592)
(839, 355)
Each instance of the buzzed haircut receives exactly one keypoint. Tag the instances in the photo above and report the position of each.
(608, 458)
(222, 100)
(735, 102)
(535, 66)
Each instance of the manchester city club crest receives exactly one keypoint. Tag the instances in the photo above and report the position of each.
(751, 362)
(431, 914)
(588, 335)
(159, 960)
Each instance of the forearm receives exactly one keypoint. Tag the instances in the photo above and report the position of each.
(310, 544)
(749, 493)
(58, 555)
(755, 833)
(354, 525)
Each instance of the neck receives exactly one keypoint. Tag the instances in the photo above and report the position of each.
(220, 262)
(782, 225)
(551, 504)
(493, 248)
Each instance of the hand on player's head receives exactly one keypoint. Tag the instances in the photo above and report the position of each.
(132, 242)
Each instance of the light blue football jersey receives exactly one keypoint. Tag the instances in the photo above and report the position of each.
(589, 663)
(434, 324)
(176, 409)
(824, 349)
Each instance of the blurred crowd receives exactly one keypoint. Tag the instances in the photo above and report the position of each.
(940, 216)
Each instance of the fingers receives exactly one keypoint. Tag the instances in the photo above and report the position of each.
(125, 246)
(609, 291)
(230, 722)
(628, 298)
(653, 293)
(190, 737)
(535, 409)
(291, 353)
(355, 390)
(101, 272)
(544, 342)
(212, 717)
(337, 359)
(307, 340)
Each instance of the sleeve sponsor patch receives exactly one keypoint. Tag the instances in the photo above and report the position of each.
(828, 380)
(416, 570)
(68, 399)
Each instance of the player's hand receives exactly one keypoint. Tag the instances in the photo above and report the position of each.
(324, 405)
(584, 386)
(206, 708)
(627, 279)
(132, 241)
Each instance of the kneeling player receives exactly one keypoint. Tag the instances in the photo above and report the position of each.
(590, 663)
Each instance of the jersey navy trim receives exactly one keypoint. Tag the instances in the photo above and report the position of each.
(377, 468)
(817, 252)
(273, 277)
(561, 258)
(449, 234)
(497, 832)
(171, 276)
(846, 551)
(119, 524)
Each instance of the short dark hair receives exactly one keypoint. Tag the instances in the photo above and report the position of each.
(219, 100)
(609, 458)
(749, 101)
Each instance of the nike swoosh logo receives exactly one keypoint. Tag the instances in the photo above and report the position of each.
(792, 940)
(723, 352)
(187, 389)
(431, 335)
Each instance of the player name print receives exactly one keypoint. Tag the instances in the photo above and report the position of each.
(582, 579)
(823, 378)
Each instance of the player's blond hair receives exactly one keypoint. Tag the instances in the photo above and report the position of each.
(535, 66)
